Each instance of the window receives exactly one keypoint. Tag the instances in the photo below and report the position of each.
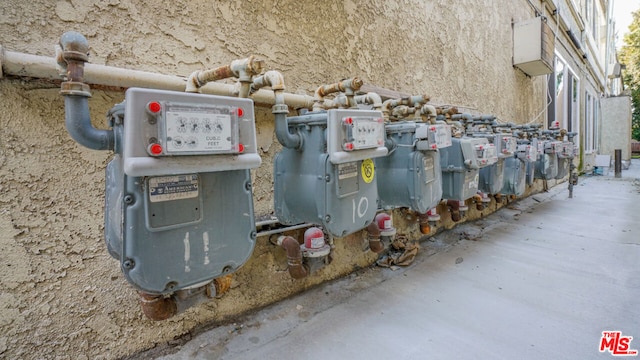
(592, 119)
(563, 96)
(592, 18)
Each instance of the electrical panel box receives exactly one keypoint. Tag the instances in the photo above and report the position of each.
(461, 163)
(328, 182)
(179, 206)
(410, 176)
(533, 46)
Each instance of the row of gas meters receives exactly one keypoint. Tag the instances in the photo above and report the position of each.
(179, 206)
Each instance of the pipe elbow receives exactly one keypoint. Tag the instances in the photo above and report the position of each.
(75, 46)
(272, 79)
(78, 123)
(193, 85)
(245, 69)
(157, 307)
(370, 98)
(297, 270)
(454, 207)
(375, 244)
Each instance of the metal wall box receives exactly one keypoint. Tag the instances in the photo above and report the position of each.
(533, 46)
(178, 220)
(410, 176)
(309, 187)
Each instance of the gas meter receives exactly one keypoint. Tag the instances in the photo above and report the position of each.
(331, 179)
(461, 163)
(179, 207)
(516, 167)
(410, 176)
(547, 164)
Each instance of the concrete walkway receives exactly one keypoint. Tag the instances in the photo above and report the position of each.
(541, 279)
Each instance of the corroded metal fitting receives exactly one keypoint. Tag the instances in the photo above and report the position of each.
(75, 46)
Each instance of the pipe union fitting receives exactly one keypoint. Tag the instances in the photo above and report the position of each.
(75, 89)
(280, 109)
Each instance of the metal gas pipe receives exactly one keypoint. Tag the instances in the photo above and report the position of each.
(308, 257)
(275, 80)
(243, 69)
(75, 48)
(348, 87)
(415, 101)
(381, 233)
(428, 220)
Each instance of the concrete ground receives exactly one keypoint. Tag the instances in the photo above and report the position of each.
(540, 279)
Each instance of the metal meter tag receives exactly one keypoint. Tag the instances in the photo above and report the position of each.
(167, 188)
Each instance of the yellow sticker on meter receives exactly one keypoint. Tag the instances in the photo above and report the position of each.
(368, 170)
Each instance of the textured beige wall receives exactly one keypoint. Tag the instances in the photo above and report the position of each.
(61, 295)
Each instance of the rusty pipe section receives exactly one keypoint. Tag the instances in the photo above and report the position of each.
(477, 198)
(157, 307)
(243, 69)
(423, 221)
(296, 268)
(348, 87)
(275, 80)
(454, 208)
(369, 98)
(429, 113)
(73, 54)
(411, 101)
(375, 244)
(160, 307)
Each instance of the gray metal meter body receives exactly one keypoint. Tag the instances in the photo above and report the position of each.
(179, 207)
(547, 164)
(410, 176)
(492, 177)
(331, 179)
(461, 163)
(565, 157)
(531, 165)
(515, 169)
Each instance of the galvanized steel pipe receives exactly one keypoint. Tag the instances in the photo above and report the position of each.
(42, 67)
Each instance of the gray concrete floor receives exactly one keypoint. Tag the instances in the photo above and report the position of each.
(540, 279)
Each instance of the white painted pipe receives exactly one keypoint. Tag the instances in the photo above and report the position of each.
(42, 67)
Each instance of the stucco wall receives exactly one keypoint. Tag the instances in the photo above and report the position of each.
(615, 130)
(61, 295)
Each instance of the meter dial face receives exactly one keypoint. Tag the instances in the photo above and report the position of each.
(197, 129)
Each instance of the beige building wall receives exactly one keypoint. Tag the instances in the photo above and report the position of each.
(61, 295)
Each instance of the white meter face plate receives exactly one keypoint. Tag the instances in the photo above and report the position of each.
(189, 129)
(363, 132)
(171, 133)
(354, 135)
